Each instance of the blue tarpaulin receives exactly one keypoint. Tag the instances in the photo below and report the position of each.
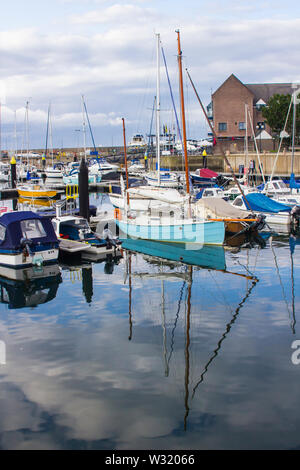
(293, 183)
(261, 203)
(13, 231)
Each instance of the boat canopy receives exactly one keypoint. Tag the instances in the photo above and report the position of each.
(293, 183)
(261, 203)
(207, 173)
(20, 225)
(218, 207)
(170, 196)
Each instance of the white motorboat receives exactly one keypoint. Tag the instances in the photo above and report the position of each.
(137, 141)
(26, 239)
(276, 213)
(76, 230)
(4, 172)
(165, 179)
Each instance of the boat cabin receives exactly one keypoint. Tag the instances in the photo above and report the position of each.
(72, 228)
(25, 236)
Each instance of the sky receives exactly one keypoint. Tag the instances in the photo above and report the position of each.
(105, 50)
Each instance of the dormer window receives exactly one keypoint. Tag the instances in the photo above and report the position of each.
(260, 104)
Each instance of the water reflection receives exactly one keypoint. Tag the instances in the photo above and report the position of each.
(158, 351)
(164, 255)
(29, 287)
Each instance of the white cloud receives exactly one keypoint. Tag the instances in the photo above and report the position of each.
(116, 13)
(108, 54)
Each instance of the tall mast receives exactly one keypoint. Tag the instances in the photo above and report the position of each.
(125, 157)
(27, 129)
(246, 135)
(50, 135)
(83, 127)
(294, 130)
(158, 107)
(183, 114)
(47, 132)
(0, 133)
(15, 134)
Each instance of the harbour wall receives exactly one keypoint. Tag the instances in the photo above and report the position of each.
(218, 164)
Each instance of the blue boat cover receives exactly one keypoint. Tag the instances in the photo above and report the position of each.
(261, 203)
(293, 183)
(11, 221)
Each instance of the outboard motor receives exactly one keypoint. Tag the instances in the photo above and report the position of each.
(295, 215)
(25, 244)
(261, 222)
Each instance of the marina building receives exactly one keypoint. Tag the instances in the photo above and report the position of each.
(236, 113)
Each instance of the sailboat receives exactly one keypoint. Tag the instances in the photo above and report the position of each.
(165, 224)
(160, 178)
(52, 173)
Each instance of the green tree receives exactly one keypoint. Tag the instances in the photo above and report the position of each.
(275, 114)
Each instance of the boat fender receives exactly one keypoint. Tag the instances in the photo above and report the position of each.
(117, 214)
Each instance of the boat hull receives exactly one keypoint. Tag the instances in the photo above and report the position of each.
(206, 233)
(36, 194)
(18, 260)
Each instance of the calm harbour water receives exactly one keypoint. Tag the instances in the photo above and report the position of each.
(145, 353)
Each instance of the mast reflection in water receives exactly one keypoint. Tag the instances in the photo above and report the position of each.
(160, 349)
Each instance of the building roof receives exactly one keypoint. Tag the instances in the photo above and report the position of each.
(266, 90)
(262, 91)
(232, 77)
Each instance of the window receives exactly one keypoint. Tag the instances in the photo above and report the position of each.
(242, 126)
(32, 229)
(2, 233)
(222, 126)
(238, 202)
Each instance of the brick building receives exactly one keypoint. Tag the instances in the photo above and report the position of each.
(236, 112)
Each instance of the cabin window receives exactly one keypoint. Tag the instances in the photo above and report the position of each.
(238, 202)
(32, 228)
(2, 233)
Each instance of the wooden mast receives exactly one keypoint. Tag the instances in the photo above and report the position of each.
(183, 114)
(216, 139)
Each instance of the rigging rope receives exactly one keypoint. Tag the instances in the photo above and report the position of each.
(173, 102)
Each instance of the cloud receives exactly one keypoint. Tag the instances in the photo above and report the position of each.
(117, 13)
(107, 53)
